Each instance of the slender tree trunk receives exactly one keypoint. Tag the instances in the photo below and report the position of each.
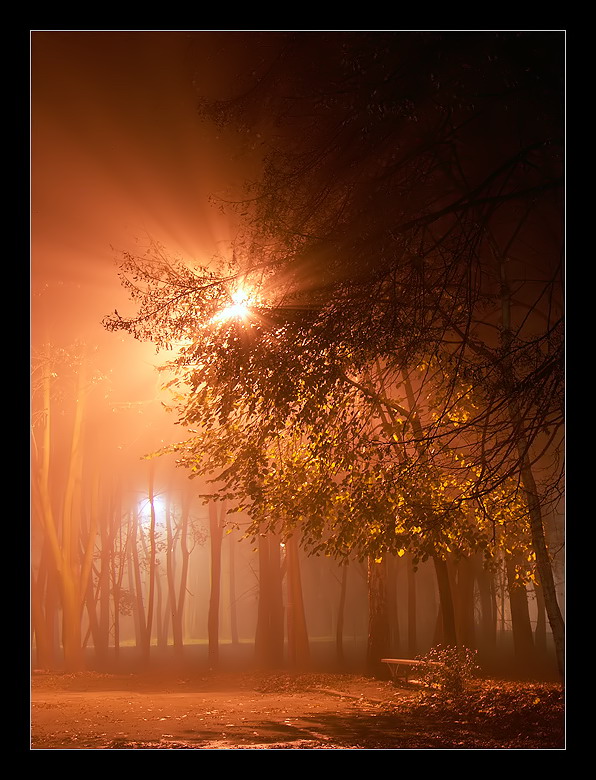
(175, 596)
(465, 595)
(412, 622)
(339, 629)
(276, 602)
(446, 601)
(216, 531)
(394, 633)
(51, 607)
(91, 599)
(543, 563)
(152, 564)
(438, 632)
(178, 631)
(523, 643)
(43, 639)
(540, 630)
(116, 602)
(72, 645)
(488, 625)
(378, 618)
(298, 646)
(162, 610)
(118, 564)
(51, 544)
(140, 622)
(70, 593)
(44, 609)
(232, 587)
(494, 593)
(262, 633)
(103, 639)
(503, 595)
(131, 557)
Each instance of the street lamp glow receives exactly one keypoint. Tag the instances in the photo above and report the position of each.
(159, 508)
(238, 309)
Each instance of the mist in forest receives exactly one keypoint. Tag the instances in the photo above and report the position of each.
(120, 158)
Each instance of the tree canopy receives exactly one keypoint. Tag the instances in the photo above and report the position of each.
(391, 376)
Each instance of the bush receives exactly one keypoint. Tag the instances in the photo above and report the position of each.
(449, 669)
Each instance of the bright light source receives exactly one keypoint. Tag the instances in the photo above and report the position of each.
(144, 509)
(238, 309)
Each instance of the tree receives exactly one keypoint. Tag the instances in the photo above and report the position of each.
(298, 646)
(66, 544)
(216, 528)
(269, 635)
(401, 174)
(380, 133)
(177, 583)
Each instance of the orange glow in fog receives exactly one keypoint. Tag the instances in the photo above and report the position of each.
(238, 309)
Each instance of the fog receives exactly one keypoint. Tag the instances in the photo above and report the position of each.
(120, 157)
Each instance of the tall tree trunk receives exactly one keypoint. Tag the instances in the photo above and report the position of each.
(488, 624)
(412, 622)
(543, 563)
(72, 644)
(216, 532)
(116, 591)
(162, 614)
(43, 640)
(378, 618)
(44, 609)
(137, 584)
(394, 633)
(523, 643)
(262, 631)
(298, 646)
(103, 639)
(91, 599)
(269, 636)
(71, 596)
(465, 597)
(171, 576)
(152, 565)
(118, 564)
(540, 630)
(51, 607)
(275, 579)
(446, 601)
(182, 585)
(339, 629)
(232, 588)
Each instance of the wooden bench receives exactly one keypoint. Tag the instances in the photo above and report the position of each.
(401, 667)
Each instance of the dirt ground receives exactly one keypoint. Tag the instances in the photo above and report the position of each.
(253, 711)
